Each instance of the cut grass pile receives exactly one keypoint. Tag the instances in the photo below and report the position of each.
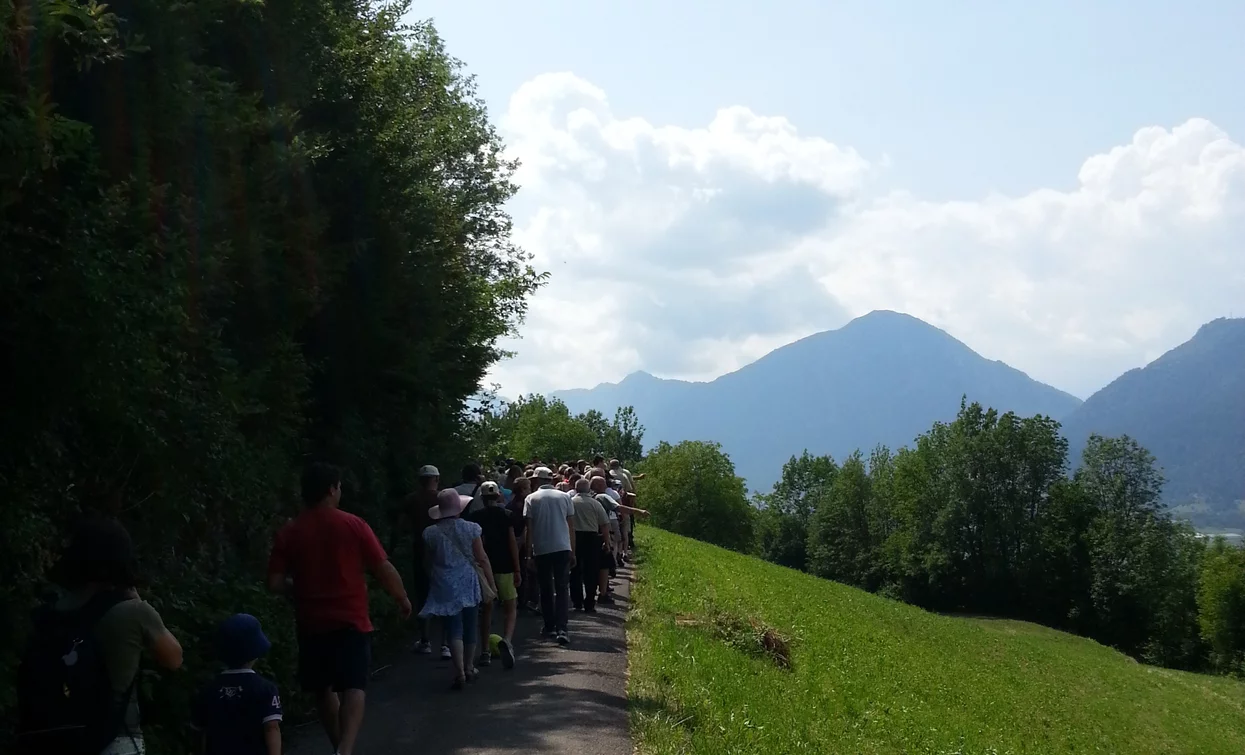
(730, 654)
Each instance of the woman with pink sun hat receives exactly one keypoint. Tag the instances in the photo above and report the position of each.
(454, 550)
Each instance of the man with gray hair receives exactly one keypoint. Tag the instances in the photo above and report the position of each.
(550, 524)
(592, 532)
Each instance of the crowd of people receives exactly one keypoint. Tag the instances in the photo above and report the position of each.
(543, 536)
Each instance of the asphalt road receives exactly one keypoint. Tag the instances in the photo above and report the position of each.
(556, 700)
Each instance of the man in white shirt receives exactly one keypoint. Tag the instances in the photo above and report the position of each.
(551, 540)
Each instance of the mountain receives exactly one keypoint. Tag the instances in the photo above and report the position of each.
(1188, 408)
(882, 378)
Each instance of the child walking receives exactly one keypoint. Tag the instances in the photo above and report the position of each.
(239, 712)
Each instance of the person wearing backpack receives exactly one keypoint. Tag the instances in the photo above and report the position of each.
(76, 682)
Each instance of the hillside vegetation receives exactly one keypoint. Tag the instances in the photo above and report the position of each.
(713, 633)
(236, 236)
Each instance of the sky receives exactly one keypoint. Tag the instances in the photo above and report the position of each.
(1059, 185)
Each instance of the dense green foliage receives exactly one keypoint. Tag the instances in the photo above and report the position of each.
(691, 488)
(535, 427)
(1221, 606)
(783, 517)
(871, 675)
(980, 517)
(235, 235)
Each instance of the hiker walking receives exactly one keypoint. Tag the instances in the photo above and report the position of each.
(550, 525)
(239, 712)
(592, 530)
(421, 501)
(454, 550)
(470, 487)
(75, 685)
(497, 534)
(321, 557)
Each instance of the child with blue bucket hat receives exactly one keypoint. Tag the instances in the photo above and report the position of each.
(239, 712)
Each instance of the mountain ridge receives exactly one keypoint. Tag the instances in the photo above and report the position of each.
(1188, 409)
(882, 378)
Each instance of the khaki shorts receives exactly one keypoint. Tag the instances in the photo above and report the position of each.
(505, 587)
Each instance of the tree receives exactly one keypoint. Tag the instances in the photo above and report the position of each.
(625, 439)
(782, 521)
(839, 543)
(1221, 606)
(692, 489)
(1143, 566)
(538, 427)
(236, 235)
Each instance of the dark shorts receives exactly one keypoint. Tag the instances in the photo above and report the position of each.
(340, 659)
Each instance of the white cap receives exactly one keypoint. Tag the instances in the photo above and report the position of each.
(543, 473)
(428, 470)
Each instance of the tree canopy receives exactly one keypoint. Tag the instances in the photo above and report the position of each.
(236, 236)
(691, 489)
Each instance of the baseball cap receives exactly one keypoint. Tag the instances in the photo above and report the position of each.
(543, 473)
(489, 488)
(428, 470)
(241, 640)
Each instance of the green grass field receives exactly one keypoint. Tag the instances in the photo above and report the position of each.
(870, 675)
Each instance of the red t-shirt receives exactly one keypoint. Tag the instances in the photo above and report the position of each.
(328, 552)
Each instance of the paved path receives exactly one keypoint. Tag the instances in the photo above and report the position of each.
(556, 700)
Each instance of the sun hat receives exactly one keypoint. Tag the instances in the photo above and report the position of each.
(449, 503)
(240, 640)
(543, 473)
(489, 488)
(428, 470)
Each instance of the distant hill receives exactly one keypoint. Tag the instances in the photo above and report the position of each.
(882, 378)
(1188, 408)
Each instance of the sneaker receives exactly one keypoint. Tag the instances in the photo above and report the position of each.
(564, 639)
(546, 634)
(507, 654)
(485, 660)
(590, 609)
(445, 653)
(423, 647)
(605, 600)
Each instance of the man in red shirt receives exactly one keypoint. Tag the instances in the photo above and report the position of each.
(322, 556)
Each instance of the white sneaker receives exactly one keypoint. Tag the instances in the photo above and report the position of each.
(445, 653)
(423, 647)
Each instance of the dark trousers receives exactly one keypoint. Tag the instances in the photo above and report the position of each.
(584, 573)
(553, 571)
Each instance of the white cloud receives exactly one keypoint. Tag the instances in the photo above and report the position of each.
(689, 252)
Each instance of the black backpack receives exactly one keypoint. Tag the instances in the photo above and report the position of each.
(65, 701)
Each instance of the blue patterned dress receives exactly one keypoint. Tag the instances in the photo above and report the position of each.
(453, 581)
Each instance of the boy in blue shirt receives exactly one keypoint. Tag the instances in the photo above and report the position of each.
(239, 712)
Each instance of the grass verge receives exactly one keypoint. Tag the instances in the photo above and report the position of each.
(730, 654)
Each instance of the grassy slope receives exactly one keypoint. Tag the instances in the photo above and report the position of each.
(873, 675)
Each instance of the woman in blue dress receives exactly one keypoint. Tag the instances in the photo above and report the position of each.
(453, 549)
